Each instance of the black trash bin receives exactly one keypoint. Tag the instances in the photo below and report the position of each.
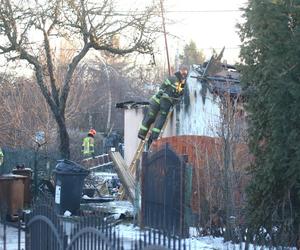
(69, 180)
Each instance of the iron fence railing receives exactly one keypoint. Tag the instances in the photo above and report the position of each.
(43, 229)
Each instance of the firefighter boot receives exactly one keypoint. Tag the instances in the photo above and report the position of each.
(149, 142)
(143, 132)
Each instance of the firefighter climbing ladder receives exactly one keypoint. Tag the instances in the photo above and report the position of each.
(127, 177)
(142, 144)
(211, 67)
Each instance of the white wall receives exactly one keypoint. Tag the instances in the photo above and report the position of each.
(199, 118)
(133, 120)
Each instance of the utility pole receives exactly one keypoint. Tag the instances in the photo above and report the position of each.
(165, 35)
(177, 60)
(90, 120)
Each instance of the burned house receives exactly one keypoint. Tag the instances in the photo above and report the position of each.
(205, 100)
(200, 111)
(209, 126)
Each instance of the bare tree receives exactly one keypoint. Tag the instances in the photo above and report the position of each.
(29, 31)
(23, 112)
(232, 133)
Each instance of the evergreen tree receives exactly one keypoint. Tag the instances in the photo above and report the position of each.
(191, 55)
(270, 70)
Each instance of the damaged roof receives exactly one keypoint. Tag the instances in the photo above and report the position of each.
(131, 105)
(226, 80)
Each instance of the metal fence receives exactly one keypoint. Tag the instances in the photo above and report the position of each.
(44, 229)
(44, 161)
(163, 192)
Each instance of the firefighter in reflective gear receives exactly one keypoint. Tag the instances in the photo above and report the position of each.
(88, 144)
(170, 92)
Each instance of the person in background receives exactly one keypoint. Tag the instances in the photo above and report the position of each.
(88, 144)
(112, 141)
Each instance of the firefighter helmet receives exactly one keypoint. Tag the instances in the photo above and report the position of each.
(92, 131)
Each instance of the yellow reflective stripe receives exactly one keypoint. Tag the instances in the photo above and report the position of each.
(156, 130)
(143, 128)
(88, 145)
(86, 148)
(168, 82)
(155, 99)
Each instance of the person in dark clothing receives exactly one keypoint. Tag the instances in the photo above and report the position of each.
(170, 92)
(112, 141)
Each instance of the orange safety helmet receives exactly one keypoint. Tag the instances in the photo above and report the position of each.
(92, 131)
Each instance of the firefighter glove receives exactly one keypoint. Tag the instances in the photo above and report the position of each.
(179, 87)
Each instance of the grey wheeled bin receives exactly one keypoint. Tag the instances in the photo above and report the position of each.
(69, 180)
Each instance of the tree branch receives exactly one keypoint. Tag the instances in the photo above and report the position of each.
(71, 68)
(50, 68)
(40, 80)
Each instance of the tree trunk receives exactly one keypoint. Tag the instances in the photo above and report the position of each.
(64, 145)
(229, 209)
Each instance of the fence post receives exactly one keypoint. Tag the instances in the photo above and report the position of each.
(4, 234)
(27, 237)
(19, 233)
(65, 241)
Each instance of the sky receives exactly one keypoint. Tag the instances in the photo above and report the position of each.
(209, 23)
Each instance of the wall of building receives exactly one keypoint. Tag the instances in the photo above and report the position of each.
(133, 119)
(199, 113)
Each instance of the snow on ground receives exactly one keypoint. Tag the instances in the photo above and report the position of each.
(11, 238)
(129, 233)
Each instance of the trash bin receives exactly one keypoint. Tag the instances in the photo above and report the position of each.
(69, 179)
(27, 172)
(12, 194)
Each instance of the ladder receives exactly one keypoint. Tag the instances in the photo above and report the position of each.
(142, 144)
(132, 167)
(96, 162)
(138, 152)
